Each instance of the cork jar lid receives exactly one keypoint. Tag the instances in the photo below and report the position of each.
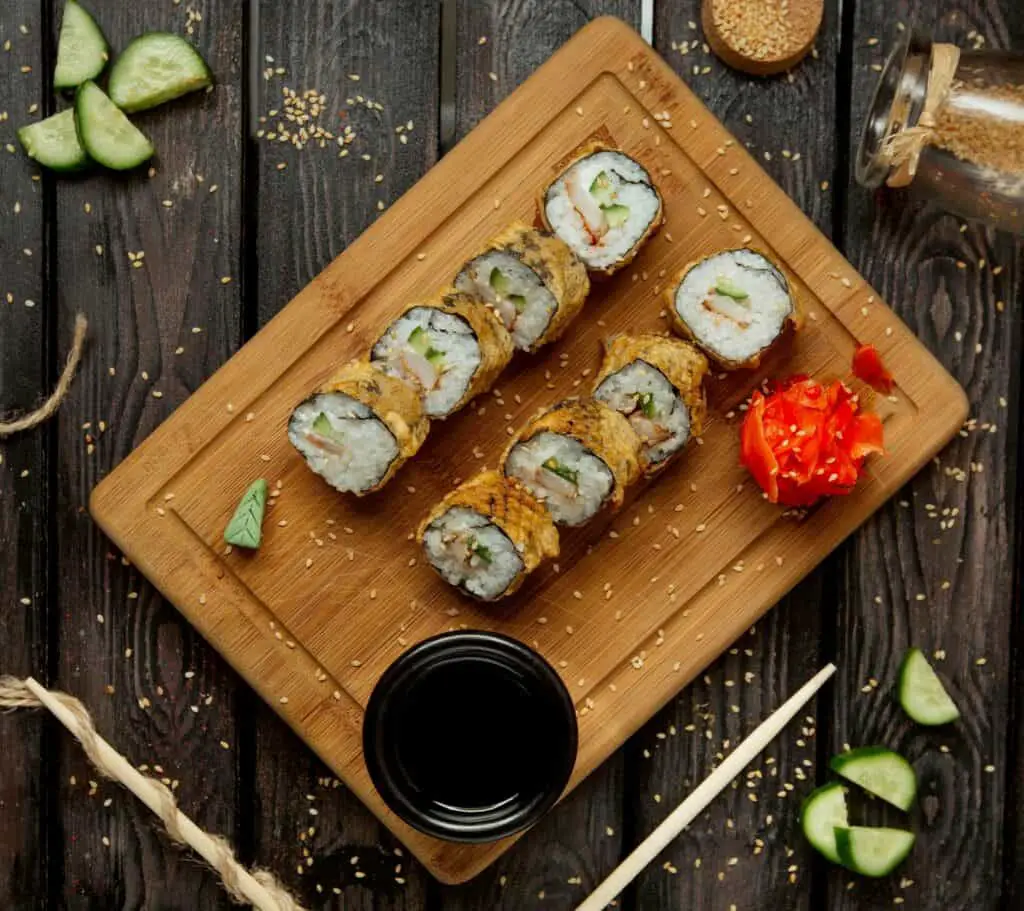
(762, 36)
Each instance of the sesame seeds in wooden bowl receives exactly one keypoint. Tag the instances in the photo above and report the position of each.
(762, 36)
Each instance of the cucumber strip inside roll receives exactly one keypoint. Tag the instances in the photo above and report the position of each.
(734, 304)
(603, 206)
(502, 280)
(653, 407)
(569, 480)
(438, 352)
(343, 441)
(471, 552)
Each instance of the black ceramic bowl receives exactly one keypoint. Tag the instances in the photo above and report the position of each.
(470, 736)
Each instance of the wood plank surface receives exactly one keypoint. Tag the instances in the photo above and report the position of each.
(935, 567)
(24, 492)
(743, 848)
(156, 332)
(582, 839)
(308, 211)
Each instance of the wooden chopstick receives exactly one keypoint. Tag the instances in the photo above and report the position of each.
(714, 784)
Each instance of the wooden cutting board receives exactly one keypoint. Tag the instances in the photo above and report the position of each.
(640, 602)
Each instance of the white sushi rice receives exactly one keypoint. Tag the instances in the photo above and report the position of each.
(443, 383)
(664, 427)
(359, 450)
(531, 318)
(735, 330)
(459, 545)
(575, 215)
(569, 503)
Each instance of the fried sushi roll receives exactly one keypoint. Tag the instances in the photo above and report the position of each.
(487, 536)
(451, 349)
(534, 282)
(576, 458)
(604, 206)
(735, 305)
(359, 429)
(657, 383)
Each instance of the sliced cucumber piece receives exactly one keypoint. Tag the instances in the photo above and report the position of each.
(729, 288)
(823, 810)
(881, 772)
(481, 551)
(500, 282)
(647, 405)
(54, 143)
(518, 301)
(107, 135)
(616, 214)
(563, 471)
(154, 68)
(601, 189)
(872, 852)
(322, 426)
(82, 50)
(922, 694)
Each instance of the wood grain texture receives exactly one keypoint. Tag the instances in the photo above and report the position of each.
(768, 115)
(24, 377)
(303, 621)
(582, 840)
(308, 212)
(132, 377)
(935, 567)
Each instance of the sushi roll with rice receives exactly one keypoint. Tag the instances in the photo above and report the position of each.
(735, 305)
(576, 458)
(488, 535)
(604, 206)
(450, 349)
(657, 383)
(532, 280)
(359, 429)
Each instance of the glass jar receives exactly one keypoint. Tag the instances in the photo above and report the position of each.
(950, 124)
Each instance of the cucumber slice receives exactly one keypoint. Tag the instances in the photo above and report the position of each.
(82, 50)
(154, 68)
(730, 289)
(54, 143)
(616, 214)
(647, 406)
(500, 282)
(922, 694)
(480, 551)
(107, 135)
(821, 812)
(872, 852)
(518, 301)
(562, 471)
(881, 772)
(601, 189)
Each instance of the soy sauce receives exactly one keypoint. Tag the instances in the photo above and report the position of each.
(472, 737)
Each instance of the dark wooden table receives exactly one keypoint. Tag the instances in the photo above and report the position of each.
(232, 226)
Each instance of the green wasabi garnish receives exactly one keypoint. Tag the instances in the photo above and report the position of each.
(479, 550)
(729, 288)
(616, 214)
(601, 189)
(420, 343)
(246, 526)
(563, 471)
(646, 400)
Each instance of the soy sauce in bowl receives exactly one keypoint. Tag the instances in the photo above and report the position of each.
(470, 736)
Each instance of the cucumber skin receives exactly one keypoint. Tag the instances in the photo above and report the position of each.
(845, 848)
(903, 689)
(77, 168)
(81, 138)
(131, 109)
(842, 760)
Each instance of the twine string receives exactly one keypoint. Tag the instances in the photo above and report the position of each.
(49, 407)
(259, 888)
(902, 149)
